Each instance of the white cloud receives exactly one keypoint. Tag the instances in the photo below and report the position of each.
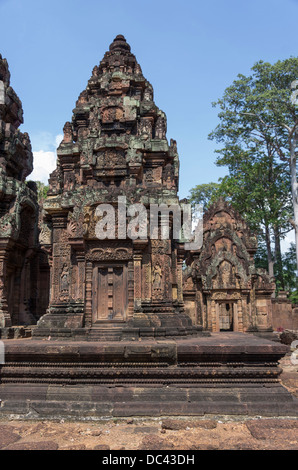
(58, 139)
(43, 164)
(44, 146)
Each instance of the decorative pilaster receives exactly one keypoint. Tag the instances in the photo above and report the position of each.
(138, 250)
(147, 278)
(5, 319)
(240, 316)
(88, 302)
(180, 258)
(61, 260)
(213, 316)
(137, 263)
(81, 275)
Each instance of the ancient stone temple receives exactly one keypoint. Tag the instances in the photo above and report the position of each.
(223, 290)
(115, 147)
(118, 339)
(18, 213)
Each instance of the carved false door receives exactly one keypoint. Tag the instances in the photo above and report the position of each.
(226, 316)
(109, 293)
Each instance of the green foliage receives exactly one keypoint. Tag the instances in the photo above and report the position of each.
(254, 113)
(42, 191)
(204, 194)
(252, 110)
(290, 278)
(261, 258)
(290, 273)
(294, 297)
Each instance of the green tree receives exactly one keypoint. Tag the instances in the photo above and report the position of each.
(290, 275)
(260, 192)
(42, 191)
(204, 194)
(257, 129)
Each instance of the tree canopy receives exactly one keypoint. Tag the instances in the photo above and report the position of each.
(257, 132)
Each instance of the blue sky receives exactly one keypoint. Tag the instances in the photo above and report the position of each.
(189, 50)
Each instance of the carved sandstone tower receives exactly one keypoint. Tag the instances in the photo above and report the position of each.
(18, 213)
(115, 146)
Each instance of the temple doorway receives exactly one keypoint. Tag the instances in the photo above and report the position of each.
(226, 316)
(109, 293)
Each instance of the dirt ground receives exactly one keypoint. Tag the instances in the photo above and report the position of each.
(183, 433)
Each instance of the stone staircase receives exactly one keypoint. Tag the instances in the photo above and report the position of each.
(105, 334)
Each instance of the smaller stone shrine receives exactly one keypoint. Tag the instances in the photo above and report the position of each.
(223, 290)
(18, 214)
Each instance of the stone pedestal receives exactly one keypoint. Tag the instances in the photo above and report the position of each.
(230, 373)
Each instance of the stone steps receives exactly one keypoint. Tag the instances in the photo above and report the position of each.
(105, 334)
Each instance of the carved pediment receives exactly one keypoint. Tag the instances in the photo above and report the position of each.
(109, 253)
(111, 114)
(110, 158)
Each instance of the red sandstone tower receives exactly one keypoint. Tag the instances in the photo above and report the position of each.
(115, 146)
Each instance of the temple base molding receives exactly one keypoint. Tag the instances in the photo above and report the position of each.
(225, 373)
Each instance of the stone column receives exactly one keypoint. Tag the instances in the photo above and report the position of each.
(5, 319)
(48, 249)
(81, 275)
(147, 278)
(214, 316)
(130, 287)
(138, 249)
(174, 276)
(137, 263)
(199, 309)
(23, 298)
(61, 257)
(180, 258)
(253, 308)
(240, 316)
(88, 293)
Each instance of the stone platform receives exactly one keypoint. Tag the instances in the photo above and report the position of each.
(225, 373)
